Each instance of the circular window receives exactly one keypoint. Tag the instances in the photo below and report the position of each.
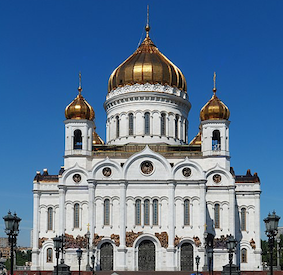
(106, 172)
(216, 178)
(146, 167)
(187, 172)
(77, 178)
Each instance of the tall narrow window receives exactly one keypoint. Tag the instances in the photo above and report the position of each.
(217, 215)
(243, 219)
(76, 215)
(78, 143)
(50, 218)
(244, 255)
(138, 212)
(186, 212)
(147, 123)
(155, 212)
(163, 124)
(49, 255)
(117, 127)
(131, 124)
(216, 141)
(107, 212)
(146, 212)
(186, 130)
(177, 126)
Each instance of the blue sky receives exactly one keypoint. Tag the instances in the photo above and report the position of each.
(44, 44)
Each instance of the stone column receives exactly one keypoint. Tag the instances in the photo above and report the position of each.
(91, 213)
(202, 210)
(232, 215)
(62, 216)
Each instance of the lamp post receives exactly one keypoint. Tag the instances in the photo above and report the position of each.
(271, 224)
(62, 242)
(12, 223)
(93, 262)
(197, 262)
(210, 259)
(57, 246)
(79, 255)
(231, 245)
(88, 268)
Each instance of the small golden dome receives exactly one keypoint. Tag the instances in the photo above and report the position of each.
(214, 109)
(79, 108)
(147, 65)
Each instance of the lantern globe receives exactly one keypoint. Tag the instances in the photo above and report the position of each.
(197, 259)
(57, 242)
(79, 253)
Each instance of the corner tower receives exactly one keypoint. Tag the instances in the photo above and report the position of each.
(147, 99)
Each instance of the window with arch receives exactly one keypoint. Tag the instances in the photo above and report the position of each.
(177, 126)
(186, 212)
(186, 130)
(107, 212)
(131, 124)
(216, 141)
(76, 215)
(146, 212)
(217, 215)
(50, 218)
(163, 124)
(147, 123)
(155, 212)
(49, 255)
(244, 255)
(243, 219)
(78, 142)
(117, 127)
(138, 212)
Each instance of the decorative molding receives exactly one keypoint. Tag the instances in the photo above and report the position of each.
(252, 243)
(79, 241)
(163, 238)
(197, 241)
(221, 242)
(41, 241)
(177, 240)
(96, 239)
(116, 239)
(131, 237)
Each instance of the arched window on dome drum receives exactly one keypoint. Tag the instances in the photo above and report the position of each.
(244, 258)
(163, 124)
(177, 126)
(50, 218)
(243, 219)
(186, 212)
(131, 124)
(49, 255)
(146, 212)
(78, 143)
(117, 127)
(76, 215)
(138, 212)
(107, 212)
(186, 131)
(147, 123)
(217, 215)
(216, 141)
(155, 212)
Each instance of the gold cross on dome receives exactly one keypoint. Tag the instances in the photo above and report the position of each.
(214, 80)
(205, 227)
(88, 226)
(80, 83)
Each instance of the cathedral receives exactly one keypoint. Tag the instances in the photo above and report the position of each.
(147, 198)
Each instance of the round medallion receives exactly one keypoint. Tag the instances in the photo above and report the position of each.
(106, 172)
(77, 178)
(187, 172)
(146, 167)
(216, 178)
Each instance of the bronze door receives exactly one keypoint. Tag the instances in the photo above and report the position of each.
(106, 256)
(146, 256)
(187, 257)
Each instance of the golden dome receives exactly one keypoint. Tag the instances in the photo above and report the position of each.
(79, 108)
(147, 65)
(214, 109)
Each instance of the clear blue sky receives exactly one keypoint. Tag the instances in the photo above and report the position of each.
(44, 44)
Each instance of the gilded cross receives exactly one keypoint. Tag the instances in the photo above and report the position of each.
(205, 227)
(214, 80)
(88, 226)
(80, 83)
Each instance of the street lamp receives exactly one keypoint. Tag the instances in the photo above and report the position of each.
(79, 255)
(271, 224)
(57, 246)
(87, 235)
(197, 262)
(12, 223)
(93, 262)
(231, 245)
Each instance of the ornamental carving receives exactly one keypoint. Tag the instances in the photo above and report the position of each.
(177, 240)
(216, 178)
(163, 238)
(96, 239)
(131, 237)
(79, 241)
(220, 242)
(41, 241)
(187, 172)
(252, 243)
(146, 167)
(116, 239)
(197, 241)
(106, 172)
(77, 178)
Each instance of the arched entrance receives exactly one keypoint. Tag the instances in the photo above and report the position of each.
(146, 256)
(187, 257)
(106, 256)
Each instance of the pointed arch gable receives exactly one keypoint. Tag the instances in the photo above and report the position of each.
(97, 170)
(76, 169)
(226, 176)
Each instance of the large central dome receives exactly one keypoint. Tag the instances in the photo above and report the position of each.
(147, 65)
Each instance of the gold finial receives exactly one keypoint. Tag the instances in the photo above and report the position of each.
(80, 83)
(214, 81)
(147, 27)
(88, 226)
